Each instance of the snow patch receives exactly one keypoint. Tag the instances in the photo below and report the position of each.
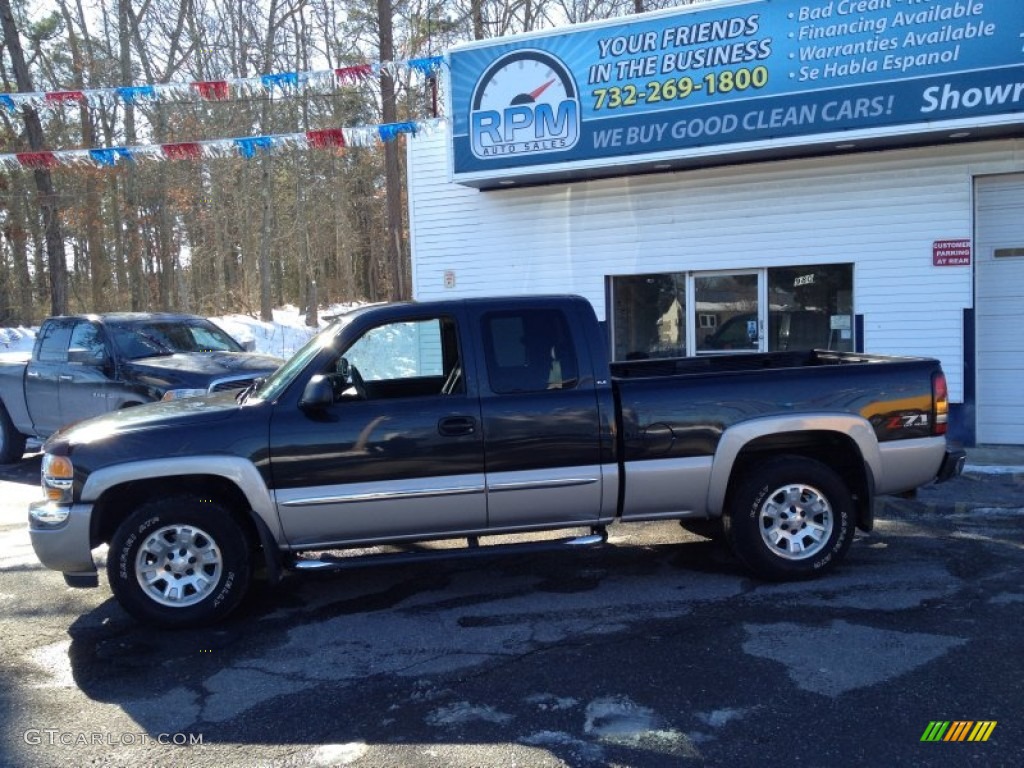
(338, 754)
(56, 663)
(548, 702)
(463, 712)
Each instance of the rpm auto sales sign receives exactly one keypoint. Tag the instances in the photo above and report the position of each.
(951, 253)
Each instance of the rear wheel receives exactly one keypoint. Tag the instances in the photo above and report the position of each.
(790, 518)
(179, 562)
(12, 442)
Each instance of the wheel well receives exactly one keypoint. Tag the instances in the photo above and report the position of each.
(837, 451)
(118, 502)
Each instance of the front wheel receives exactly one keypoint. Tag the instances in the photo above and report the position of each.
(790, 518)
(179, 562)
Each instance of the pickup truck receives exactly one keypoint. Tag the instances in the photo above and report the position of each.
(87, 365)
(418, 422)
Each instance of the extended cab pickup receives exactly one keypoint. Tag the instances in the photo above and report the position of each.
(413, 422)
(87, 365)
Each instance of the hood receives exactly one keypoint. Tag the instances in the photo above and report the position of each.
(188, 413)
(198, 369)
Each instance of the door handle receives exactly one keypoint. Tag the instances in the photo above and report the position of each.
(66, 377)
(455, 426)
(32, 375)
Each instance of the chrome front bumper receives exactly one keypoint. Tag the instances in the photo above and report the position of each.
(65, 547)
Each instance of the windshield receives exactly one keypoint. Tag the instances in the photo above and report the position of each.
(167, 337)
(279, 380)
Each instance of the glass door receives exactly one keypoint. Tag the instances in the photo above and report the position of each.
(727, 313)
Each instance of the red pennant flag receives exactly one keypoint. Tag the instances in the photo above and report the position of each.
(185, 150)
(212, 90)
(354, 74)
(36, 159)
(329, 137)
(60, 97)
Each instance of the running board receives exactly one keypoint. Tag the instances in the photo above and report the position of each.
(333, 563)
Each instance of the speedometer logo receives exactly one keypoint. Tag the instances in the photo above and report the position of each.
(525, 103)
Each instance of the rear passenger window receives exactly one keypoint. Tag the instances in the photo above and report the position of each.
(53, 346)
(529, 351)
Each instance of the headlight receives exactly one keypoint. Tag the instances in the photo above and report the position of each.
(58, 476)
(178, 394)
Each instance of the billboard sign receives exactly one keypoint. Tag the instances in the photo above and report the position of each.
(729, 76)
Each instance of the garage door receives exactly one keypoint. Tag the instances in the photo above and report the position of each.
(999, 308)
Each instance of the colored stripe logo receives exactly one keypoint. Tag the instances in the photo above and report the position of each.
(958, 730)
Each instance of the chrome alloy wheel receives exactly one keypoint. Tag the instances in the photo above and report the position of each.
(796, 521)
(178, 565)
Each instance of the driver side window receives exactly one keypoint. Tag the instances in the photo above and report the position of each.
(405, 359)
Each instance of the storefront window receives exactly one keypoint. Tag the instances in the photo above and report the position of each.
(649, 316)
(810, 307)
(727, 312)
(807, 307)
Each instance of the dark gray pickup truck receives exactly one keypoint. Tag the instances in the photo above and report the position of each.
(407, 423)
(87, 365)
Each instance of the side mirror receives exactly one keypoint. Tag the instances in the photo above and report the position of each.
(82, 356)
(344, 369)
(249, 345)
(318, 394)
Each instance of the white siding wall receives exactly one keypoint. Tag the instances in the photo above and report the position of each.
(880, 211)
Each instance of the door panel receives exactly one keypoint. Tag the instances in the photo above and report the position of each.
(380, 462)
(366, 469)
(42, 376)
(85, 387)
(542, 428)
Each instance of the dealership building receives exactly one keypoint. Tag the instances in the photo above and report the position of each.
(750, 176)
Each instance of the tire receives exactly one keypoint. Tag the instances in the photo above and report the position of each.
(790, 518)
(206, 562)
(12, 442)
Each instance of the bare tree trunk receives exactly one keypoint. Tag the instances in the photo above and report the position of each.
(132, 242)
(395, 246)
(99, 269)
(477, 12)
(266, 303)
(18, 237)
(48, 203)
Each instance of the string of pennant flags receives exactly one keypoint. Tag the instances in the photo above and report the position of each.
(247, 147)
(323, 80)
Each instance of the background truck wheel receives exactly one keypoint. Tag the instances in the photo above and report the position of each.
(12, 442)
(179, 562)
(790, 518)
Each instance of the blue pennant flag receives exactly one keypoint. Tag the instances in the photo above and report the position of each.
(110, 156)
(389, 131)
(136, 94)
(426, 66)
(8, 103)
(249, 146)
(282, 81)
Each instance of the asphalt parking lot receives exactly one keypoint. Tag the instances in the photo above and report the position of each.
(655, 651)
